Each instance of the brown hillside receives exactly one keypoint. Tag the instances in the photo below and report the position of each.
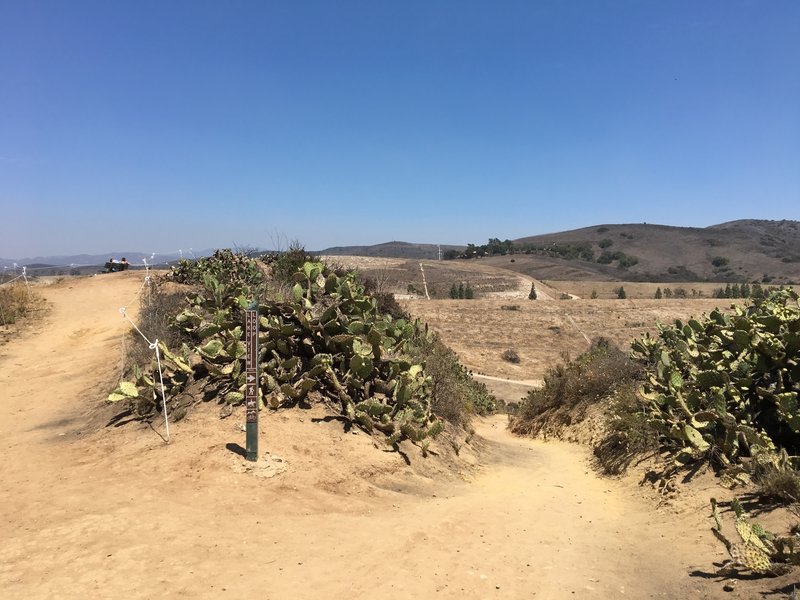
(750, 250)
(746, 250)
(391, 250)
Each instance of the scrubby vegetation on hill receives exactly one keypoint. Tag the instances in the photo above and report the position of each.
(322, 338)
(578, 251)
(741, 251)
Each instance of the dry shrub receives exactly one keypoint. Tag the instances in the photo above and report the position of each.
(629, 435)
(510, 356)
(159, 305)
(776, 475)
(570, 388)
(603, 375)
(783, 484)
(387, 303)
(16, 302)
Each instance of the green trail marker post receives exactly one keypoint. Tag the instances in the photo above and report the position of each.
(251, 380)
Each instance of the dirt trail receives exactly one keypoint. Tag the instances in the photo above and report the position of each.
(115, 513)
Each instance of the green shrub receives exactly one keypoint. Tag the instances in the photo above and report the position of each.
(719, 261)
(462, 292)
(606, 258)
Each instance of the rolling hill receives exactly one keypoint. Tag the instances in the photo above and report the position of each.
(392, 250)
(746, 250)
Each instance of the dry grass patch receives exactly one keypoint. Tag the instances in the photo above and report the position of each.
(17, 301)
(540, 331)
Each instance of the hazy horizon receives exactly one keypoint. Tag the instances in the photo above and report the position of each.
(159, 127)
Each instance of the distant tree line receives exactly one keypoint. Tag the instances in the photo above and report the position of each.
(736, 290)
(581, 251)
(744, 290)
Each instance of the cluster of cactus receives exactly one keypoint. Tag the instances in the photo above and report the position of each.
(726, 385)
(758, 550)
(329, 337)
(224, 265)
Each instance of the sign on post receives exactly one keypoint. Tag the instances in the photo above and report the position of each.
(251, 381)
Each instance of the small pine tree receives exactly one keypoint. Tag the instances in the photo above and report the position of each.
(593, 295)
(659, 295)
(532, 295)
(736, 291)
(668, 292)
(621, 293)
(745, 290)
(728, 291)
(461, 290)
(454, 292)
(468, 293)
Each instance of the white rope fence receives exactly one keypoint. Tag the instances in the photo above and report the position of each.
(153, 345)
(10, 281)
(24, 277)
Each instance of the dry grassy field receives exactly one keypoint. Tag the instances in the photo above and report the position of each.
(396, 275)
(542, 331)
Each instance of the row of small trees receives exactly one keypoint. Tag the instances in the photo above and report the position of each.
(676, 293)
(744, 290)
(461, 291)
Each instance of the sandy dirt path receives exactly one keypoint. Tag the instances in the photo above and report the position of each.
(114, 513)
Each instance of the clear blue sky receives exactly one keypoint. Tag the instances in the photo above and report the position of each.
(155, 126)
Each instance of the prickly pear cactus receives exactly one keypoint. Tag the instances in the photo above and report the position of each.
(757, 550)
(721, 385)
(329, 337)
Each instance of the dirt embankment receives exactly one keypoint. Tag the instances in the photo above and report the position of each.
(114, 512)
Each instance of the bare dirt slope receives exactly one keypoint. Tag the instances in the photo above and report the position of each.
(113, 512)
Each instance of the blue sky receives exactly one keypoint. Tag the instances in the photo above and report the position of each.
(156, 126)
